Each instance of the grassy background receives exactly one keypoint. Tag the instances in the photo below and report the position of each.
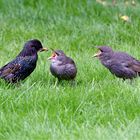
(99, 106)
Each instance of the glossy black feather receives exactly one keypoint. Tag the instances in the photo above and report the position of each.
(23, 65)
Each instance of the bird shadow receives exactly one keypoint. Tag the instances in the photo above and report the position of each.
(7, 85)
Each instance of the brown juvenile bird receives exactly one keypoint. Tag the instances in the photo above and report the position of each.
(120, 64)
(62, 67)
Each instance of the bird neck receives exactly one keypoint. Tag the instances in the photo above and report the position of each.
(26, 52)
(106, 59)
(56, 62)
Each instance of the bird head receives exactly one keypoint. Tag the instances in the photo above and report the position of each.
(35, 44)
(31, 47)
(56, 55)
(103, 52)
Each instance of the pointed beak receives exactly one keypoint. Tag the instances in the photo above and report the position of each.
(54, 51)
(97, 54)
(49, 58)
(43, 49)
(52, 56)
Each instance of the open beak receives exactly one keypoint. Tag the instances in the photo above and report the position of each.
(52, 56)
(97, 54)
(43, 49)
(54, 51)
(49, 58)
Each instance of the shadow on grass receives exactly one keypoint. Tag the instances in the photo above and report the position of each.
(6, 85)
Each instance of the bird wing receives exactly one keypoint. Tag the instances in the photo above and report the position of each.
(134, 65)
(10, 68)
(70, 68)
(18, 69)
(70, 61)
(127, 61)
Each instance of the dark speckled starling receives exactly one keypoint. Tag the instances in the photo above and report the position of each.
(62, 67)
(120, 64)
(24, 64)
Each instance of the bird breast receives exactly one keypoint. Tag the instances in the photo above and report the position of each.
(106, 63)
(56, 63)
(56, 68)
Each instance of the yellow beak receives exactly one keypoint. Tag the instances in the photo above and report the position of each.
(43, 49)
(97, 54)
(49, 58)
(53, 55)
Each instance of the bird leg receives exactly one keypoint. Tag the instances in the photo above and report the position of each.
(56, 82)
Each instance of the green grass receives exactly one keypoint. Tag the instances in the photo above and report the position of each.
(99, 106)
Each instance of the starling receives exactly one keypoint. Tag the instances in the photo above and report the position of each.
(24, 64)
(62, 67)
(120, 64)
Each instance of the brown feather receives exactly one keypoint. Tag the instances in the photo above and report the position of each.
(12, 69)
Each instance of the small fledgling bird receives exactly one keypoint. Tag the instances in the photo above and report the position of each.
(120, 64)
(62, 67)
(24, 64)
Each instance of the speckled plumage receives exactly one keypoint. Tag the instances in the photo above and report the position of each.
(120, 64)
(24, 64)
(63, 67)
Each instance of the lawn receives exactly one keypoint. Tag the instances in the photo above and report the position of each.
(99, 106)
